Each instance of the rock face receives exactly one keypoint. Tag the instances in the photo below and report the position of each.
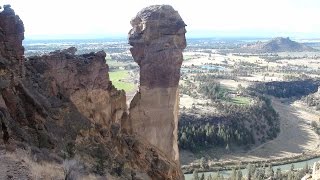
(61, 100)
(157, 38)
(84, 80)
(11, 36)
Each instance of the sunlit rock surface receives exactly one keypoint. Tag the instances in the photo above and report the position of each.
(157, 38)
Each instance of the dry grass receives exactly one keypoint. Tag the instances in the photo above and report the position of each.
(39, 171)
(48, 170)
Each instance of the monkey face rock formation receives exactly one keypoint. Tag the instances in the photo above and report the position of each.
(157, 38)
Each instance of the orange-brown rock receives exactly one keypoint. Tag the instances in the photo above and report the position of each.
(158, 39)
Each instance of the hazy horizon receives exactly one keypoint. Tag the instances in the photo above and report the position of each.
(222, 19)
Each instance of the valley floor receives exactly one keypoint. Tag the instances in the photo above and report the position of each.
(296, 139)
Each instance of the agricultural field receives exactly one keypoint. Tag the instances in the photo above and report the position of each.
(120, 79)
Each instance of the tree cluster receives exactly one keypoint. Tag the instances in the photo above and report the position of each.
(202, 132)
(287, 89)
(254, 172)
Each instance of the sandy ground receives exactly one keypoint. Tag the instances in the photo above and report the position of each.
(204, 58)
(296, 137)
(199, 104)
(261, 78)
(232, 84)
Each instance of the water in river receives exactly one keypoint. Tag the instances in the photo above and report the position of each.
(285, 167)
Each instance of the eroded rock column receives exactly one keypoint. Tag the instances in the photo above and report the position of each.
(157, 38)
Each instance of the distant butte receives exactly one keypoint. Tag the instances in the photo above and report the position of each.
(275, 45)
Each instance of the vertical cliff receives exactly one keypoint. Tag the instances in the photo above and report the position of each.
(157, 38)
(11, 36)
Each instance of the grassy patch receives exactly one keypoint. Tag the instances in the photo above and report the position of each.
(241, 100)
(118, 78)
(188, 57)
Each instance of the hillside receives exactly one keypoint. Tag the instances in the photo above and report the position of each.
(275, 45)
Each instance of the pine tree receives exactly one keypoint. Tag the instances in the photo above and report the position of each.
(249, 171)
(278, 174)
(204, 163)
(233, 174)
(217, 176)
(270, 171)
(290, 175)
(256, 174)
(202, 177)
(195, 175)
(239, 175)
(228, 148)
(292, 167)
(306, 168)
(263, 171)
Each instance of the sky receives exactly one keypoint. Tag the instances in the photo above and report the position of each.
(204, 18)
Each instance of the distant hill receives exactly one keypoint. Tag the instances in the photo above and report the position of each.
(275, 45)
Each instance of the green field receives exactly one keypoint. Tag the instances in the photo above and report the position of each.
(241, 100)
(117, 78)
(187, 57)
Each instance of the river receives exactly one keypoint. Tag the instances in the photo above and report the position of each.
(285, 167)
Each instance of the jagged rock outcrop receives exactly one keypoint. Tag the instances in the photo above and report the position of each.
(11, 36)
(157, 38)
(62, 102)
(84, 80)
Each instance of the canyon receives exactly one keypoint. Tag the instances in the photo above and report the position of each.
(62, 106)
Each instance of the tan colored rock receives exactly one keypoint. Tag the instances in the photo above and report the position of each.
(84, 79)
(158, 39)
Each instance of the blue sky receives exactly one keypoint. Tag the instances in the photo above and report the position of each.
(214, 18)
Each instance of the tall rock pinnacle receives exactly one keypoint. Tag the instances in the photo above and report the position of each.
(157, 38)
(11, 36)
